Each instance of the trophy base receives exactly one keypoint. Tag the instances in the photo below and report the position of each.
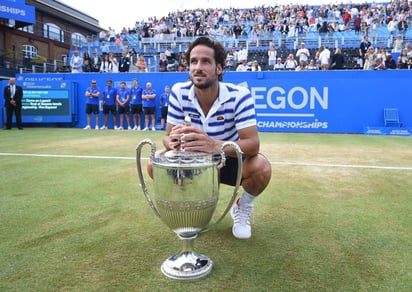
(187, 265)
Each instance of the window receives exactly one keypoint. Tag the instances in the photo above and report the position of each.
(52, 31)
(29, 51)
(78, 40)
(27, 28)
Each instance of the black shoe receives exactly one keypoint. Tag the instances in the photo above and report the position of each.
(7, 128)
(20, 128)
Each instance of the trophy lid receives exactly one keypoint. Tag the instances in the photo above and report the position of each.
(185, 158)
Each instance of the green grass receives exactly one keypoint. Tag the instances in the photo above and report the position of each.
(330, 220)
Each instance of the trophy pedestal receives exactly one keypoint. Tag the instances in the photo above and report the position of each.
(187, 265)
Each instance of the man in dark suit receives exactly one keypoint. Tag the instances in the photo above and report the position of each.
(13, 95)
(124, 63)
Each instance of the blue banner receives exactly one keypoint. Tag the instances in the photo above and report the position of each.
(316, 102)
(17, 10)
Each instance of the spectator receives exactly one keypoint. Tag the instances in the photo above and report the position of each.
(382, 53)
(87, 62)
(279, 65)
(290, 63)
(389, 62)
(124, 63)
(162, 63)
(242, 54)
(149, 106)
(402, 26)
(109, 104)
(136, 104)
(76, 62)
(409, 63)
(357, 23)
(408, 48)
(301, 66)
(96, 62)
(392, 26)
(312, 65)
(370, 58)
(115, 63)
(379, 65)
(92, 104)
(231, 59)
(398, 44)
(243, 66)
(182, 62)
(337, 61)
(324, 58)
(303, 54)
(255, 66)
(122, 99)
(106, 65)
(141, 64)
(105, 48)
(272, 54)
(403, 60)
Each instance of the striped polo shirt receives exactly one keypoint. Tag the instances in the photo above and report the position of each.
(233, 110)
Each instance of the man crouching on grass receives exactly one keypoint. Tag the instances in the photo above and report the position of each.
(219, 112)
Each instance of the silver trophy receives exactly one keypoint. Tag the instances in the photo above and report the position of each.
(186, 194)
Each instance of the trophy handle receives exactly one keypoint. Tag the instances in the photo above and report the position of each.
(239, 173)
(139, 170)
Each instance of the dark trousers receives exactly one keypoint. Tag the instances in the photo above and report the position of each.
(9, 116)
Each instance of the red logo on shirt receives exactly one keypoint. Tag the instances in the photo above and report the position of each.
(220, 118)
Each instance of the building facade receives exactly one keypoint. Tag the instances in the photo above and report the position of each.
(41, 33)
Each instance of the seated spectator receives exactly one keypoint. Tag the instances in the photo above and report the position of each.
(409, 63)
(301, 66)
(243, 66)
(390, 62)
(290, 63)
(403, 60)
(255, 66)
(370, 58)
(312, 65)
(379, 65)
(182, 62)
(278, 66)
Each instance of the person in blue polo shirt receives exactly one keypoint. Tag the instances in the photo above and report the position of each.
(109, 104)
(164, 104)
(149, 106)
(136, 106)
(122, 98)
(219, 112)
(92, 104)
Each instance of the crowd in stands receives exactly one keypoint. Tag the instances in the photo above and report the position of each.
(275, 23)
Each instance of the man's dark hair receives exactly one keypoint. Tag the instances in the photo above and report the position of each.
(218, 48)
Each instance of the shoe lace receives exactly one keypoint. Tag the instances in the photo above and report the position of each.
(243, 214)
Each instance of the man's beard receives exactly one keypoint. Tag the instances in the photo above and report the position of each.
(208, 83)
(205, 85)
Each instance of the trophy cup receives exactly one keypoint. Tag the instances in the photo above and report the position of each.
(186, 194)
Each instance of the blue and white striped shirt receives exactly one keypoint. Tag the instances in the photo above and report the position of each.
(233, 110)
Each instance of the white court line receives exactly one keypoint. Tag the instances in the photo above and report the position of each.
(272, 162)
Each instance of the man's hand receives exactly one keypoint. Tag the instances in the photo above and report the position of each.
(190, 138)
